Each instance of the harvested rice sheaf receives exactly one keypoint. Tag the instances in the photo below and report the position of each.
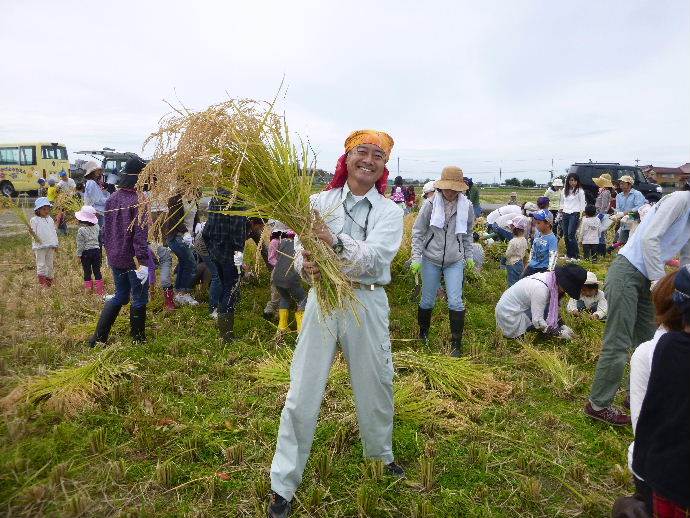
(242, 151)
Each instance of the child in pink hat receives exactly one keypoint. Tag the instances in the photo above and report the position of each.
(88, 249)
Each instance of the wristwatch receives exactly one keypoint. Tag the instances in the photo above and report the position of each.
(338, 245)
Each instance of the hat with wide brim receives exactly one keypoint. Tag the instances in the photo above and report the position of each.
(451, 178)
(87, 213)
(627, 179)
(603, 181)
(428, 187)
(571, 278)
(592, 279)
(42, 202)
(91, 167)
(557, 183)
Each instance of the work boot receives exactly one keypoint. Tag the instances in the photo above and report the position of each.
(169, 296)
(49, 281)
(283, 315)
(395, 470)
(424, 321)
(226, 322)
(278, 506)
(88, 286)
(137, 323)
(457, 324)
(105, 322)
(99, 287)
(299, 318)
(41, 280)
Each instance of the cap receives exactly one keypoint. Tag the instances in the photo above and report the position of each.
(428, 187)
(543, 215)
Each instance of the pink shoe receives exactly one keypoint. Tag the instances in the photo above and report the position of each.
(88, 286)
(98, 287)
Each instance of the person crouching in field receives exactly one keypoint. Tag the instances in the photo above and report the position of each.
(592, 300)
(125, 239)
(365, 229)
(517, 247)
(533, 303)
(44, 241)
(442, 245)
(88, 251)
(281, 252)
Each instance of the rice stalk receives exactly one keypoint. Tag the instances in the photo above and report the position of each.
(242, 150)
(561, 373)
(459, 378)
(72, 389)
(67, 202)
(7, 202)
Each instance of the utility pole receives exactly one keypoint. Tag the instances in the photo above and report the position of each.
(398, 166)
(637, 161)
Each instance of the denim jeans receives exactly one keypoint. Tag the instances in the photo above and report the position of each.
(229, 279)
(186, 265)
(431, 280)
(514, 272)
(128, 285)
(477, 210)
(570, 223)
(503, 234)
(215, 289)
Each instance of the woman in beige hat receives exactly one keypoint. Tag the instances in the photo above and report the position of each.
(442, 244)
(603, 205)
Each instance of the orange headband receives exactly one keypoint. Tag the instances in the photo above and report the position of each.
(376, 138)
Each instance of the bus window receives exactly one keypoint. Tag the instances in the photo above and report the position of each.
(54, 152)
(27, 155)
(9, 156)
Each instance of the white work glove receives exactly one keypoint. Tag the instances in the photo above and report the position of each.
(566, 333)
(187, 238)
(238, 259)
(142, 273)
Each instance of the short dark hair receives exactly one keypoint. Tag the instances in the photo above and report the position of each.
(667, 313)
(590, 210)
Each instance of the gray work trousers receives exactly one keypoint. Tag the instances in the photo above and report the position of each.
(165, 266)
(367, 351)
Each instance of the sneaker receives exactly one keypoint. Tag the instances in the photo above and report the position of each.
(278, 507)
(185, 299)
(214, 314)
(395, 470)
(608, 415)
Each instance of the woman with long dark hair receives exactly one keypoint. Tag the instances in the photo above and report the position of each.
(572, 205)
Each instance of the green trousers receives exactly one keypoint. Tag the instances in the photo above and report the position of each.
(630, 322)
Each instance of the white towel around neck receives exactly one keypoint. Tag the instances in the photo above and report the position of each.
(438, 215)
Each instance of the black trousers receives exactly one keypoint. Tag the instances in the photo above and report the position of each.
(91, 264)
(590, 251)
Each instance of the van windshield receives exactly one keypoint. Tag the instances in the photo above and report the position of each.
(54, 152)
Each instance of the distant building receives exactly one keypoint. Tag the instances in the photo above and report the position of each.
(670, 178)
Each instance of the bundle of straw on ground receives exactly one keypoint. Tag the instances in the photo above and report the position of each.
(70, 390)
(7, 202)
(561, 373)
(242, 151)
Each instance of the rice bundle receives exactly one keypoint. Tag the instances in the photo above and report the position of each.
(67, 202)
(72, 389)
(242, 151)
(8, 203)
(561, 373)
(455, 377)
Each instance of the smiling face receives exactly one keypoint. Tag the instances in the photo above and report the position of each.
(365, 164)
(589, 290)
(44, 211)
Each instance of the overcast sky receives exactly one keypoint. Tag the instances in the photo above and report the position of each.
(505, 84)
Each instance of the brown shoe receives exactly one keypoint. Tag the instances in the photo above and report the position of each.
(609, 415)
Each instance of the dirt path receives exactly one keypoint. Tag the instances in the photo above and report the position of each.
(10, 224)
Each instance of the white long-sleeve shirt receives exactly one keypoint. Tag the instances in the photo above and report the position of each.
(589, 231)
(522, 305)
(573, 202)
(599, 299)
(502, 211)
(44, 228)
(371, 232)
(640, 369)
(663, 233)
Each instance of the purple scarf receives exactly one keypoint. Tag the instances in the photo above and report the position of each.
(552, 316)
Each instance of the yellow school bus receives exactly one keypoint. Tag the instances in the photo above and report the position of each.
(21, 165)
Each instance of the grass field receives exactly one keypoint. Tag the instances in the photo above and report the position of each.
(191, 430)
(502, 194)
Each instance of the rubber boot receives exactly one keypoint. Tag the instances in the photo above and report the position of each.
(41, 280)
(424, 321)
(105, 322)
(49, 281)
(299, 318)
(457, 324)
(169, 296)
(88, 286)
(226, 322)
(137, 323)
(99, 287)
(283, 320)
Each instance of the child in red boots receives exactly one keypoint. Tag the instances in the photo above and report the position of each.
(44, 241)
(88, 250)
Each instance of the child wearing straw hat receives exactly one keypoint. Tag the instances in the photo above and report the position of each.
(88, 251)
(442, 245)
(44, 241)
(592, 300)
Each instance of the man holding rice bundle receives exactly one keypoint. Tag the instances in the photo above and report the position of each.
(365, 229)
